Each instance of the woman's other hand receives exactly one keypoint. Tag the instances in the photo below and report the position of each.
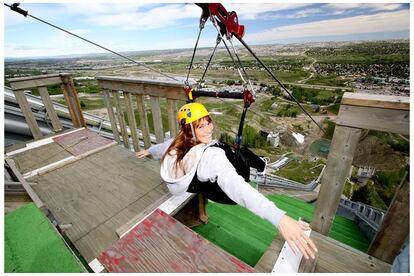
(142, 153)
(293, 232)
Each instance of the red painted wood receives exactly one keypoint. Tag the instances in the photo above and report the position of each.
(81, 141)
(162, 244)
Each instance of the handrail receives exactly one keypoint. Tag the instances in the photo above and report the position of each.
(40, 83)
(120, 93)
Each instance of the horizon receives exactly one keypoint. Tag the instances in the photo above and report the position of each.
(171, 26)
(183, 49)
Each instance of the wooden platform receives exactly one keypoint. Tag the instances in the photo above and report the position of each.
(332, 257)
(162, 244)
(96, 193)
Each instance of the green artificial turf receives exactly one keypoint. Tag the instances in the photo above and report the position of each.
(32, 245)
(246, 236)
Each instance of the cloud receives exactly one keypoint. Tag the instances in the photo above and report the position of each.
(253, 11)
(380, 22)
(135, 17)
(341, 7)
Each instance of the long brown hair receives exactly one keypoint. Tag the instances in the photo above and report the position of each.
(184, 141)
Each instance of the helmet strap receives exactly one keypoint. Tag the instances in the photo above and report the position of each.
(192, 130)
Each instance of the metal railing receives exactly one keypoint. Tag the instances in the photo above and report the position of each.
(371, 215)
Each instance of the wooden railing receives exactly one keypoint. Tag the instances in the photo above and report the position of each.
(357, 112)
(19, 85)
(119, 94)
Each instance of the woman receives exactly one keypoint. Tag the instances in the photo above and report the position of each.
(194, 162)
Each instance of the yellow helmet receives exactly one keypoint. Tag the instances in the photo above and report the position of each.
(191, 112)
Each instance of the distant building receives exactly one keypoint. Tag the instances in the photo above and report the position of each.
(273, 139)
(365, 173)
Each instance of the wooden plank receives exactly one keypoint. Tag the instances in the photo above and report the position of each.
(28, 115)
(79, 142)
(157, 119)
(39, 203)
(341, 154)
(68, 81)
(39, 157)
(172, 117)
(176, 247)
(333, 257)
(308, 266)
(389, 120)
(69, 102)
(132, 122)
(109, 106)
(143, 120)
(142, 87)
(168, 204)
(124, 229)
(57, 126)
(121, 119)
(378, 101)
(395, 227)
(36, 81)
(39, 143)
(119, 179)
(68, 161)
(104, 236)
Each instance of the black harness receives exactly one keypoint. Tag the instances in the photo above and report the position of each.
(212, 190)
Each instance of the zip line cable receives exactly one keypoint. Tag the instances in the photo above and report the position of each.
(15, 8)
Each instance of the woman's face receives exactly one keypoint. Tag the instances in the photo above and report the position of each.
(204, 130)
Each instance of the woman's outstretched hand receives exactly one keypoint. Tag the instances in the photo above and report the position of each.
(293, 232)
(142, 153)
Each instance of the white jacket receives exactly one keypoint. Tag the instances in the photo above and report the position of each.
(211, 164)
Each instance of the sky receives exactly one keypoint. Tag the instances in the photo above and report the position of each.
(130, 26)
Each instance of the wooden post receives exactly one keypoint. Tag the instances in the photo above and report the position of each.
(341, 154)
(143, 121)
(121, 120)
(157, 119)
(109, 106)
(395, 227)
(28, 115)
(172, 117)
(132, 121)
(57, 126)
(72, 100)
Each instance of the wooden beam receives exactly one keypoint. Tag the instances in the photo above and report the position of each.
(74, 100)
(172, 117)
(341, 154)
(395, 227)
(25, 184)
(389, 120)
(67, 161)
(157, 119)
(378, 101)
(109, 106)
(28, 114)
(132, 121)
(121, 120)
(68, 99)
(333, 257)
(143, 121)
(134, 86)
(57, 126)
(34, 81)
